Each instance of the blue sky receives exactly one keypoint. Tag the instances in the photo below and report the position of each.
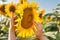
(48, 5)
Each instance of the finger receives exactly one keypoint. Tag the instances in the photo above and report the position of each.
(12, 21)
(38, 26)
(15, 17)
(37, 33)
(35, 23)
(35, 30)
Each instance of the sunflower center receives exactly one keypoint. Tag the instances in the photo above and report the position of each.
(27, 19)
(40, 15)
(21, 1)
(12, 9)
(2, 9)
(49, 17)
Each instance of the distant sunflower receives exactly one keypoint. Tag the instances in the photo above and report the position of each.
(11, 7)
(49, 18)
(58, 22)
(2, 9)
(22, 1)
(25, 25)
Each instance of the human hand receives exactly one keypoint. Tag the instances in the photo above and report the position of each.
(38, 31)
(12, 27)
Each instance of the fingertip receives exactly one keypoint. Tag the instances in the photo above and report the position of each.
(34, 23)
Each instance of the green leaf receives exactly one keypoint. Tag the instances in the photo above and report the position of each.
(58, 4)
(58, 36)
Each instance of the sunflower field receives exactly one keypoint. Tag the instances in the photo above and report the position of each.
(24, 12)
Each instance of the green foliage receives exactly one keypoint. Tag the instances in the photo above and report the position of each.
(58, 4)
(3, 0)
(58, 36)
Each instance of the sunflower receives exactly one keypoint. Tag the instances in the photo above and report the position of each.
(41, 15)
(58, 22)
(11, 7)
(49, 18)
(2, 9)
(25, 25)
(22, 1)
